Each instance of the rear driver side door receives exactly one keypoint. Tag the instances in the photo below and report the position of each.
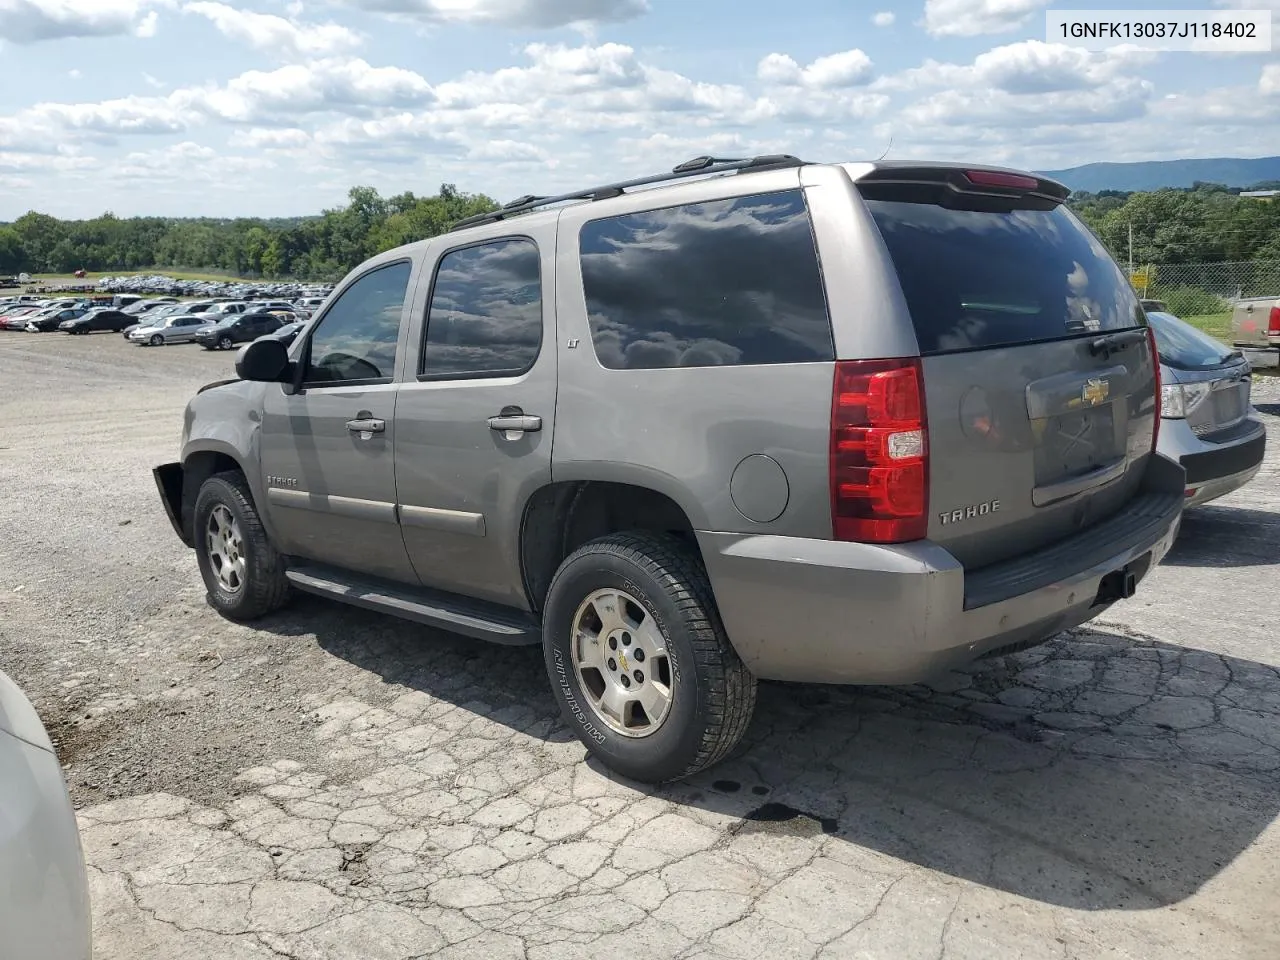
(327, 447)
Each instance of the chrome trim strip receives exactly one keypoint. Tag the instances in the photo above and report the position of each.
(377, 511)
(449, 521)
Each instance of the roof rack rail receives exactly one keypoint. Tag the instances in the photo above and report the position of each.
(697, 167)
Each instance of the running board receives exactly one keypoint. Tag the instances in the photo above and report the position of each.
(434, 608)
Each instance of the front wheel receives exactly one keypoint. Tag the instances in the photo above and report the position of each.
(639, 660)
(157, 340)
(241, 569)
(226, 343)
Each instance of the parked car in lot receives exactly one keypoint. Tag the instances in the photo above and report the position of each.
(44, 909)
(1209, 425)
(238, 328)
(224, 308)
(181, 328)
(16, 318)
(153, 317)
(96, 321)
(141, 307)
(52, 319)
(699, 458)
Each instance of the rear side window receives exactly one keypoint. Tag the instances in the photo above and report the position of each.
(486, 312)
(975, 280)
(710, 284)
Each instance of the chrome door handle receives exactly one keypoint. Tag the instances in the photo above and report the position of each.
(515, 423)
(367, 425)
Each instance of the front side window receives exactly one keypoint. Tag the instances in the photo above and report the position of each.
(357, 337)
(485, 318)
(721, 283)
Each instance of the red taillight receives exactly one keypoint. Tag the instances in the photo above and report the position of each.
(1273, 322)
(1155, 363)
(994, 178)
(879, 452)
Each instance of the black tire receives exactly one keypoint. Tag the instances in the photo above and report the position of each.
(713, 693)
(226, 343)
(157, 340)
(265, 588)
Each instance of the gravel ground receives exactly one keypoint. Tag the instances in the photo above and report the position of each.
(331, 783)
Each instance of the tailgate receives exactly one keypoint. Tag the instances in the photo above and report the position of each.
(1040, 380)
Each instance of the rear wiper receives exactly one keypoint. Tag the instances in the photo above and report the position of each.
(1115, 342)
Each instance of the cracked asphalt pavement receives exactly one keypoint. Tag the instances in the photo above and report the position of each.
(330, 783)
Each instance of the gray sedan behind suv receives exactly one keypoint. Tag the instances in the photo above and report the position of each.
(845, 423)
(1209, 424)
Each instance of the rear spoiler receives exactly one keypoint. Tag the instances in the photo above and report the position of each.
(964, 188)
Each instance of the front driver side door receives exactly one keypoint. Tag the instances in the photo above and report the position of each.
(327, 459)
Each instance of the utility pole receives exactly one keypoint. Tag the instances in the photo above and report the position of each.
(1130, 248)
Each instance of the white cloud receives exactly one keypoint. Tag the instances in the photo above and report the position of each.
(1033, 66)
(43, 162)
(125, 115)
(274, 138)
(30, 21)
(74, 74)
(276, 35)
(606, 84)
(185, 163)
(969, 18)
(1026, 67)
(1121, 100)
(847, 69)
(148, 25)
(318, 86)
(542, 14)
(885, 18)
(153, 82)
(1269, 82)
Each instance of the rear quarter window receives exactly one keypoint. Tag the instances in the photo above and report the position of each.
(720, 283)
(975, 280)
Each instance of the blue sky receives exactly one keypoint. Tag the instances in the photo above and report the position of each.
(277, 107)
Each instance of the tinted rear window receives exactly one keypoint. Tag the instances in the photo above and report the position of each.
(975, 280)
(1184, 347)
(719, 283)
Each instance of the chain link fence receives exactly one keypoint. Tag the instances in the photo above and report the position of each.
(1192, 289)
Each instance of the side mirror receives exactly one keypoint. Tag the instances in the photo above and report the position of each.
(266, 361)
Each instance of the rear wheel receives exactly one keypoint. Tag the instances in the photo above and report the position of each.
(639, 661)
(241, 569)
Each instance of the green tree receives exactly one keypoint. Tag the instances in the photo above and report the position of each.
(13, 258)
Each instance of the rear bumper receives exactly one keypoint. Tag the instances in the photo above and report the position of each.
(820, 611)
(1215, 469)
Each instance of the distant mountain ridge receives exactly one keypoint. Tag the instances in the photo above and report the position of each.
(1154, 174)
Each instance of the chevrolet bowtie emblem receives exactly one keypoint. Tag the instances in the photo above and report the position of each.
(1095, 391)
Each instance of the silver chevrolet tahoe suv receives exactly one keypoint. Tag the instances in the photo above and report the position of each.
(847, 423)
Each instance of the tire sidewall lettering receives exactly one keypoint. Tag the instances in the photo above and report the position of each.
(571, 700)
(673, 655)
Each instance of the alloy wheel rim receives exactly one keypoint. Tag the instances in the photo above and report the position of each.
(226, 549)
(621, 659)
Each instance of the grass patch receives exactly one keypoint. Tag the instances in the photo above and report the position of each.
(1214, 324)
